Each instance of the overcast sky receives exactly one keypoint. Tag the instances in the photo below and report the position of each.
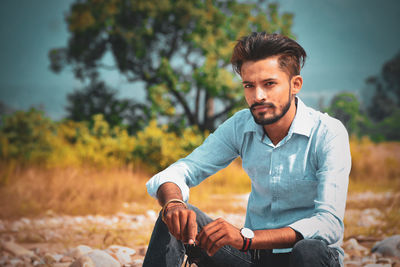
(346, 41)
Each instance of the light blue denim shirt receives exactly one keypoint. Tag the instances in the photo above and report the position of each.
(301, 182)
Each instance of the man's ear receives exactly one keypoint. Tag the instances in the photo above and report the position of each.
(297, 83)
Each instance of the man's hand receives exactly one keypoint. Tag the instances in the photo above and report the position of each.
(218, 234)
(181, 222)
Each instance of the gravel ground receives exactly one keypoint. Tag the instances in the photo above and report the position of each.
(55, 236)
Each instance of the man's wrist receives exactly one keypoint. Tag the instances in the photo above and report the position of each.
(168, 205)
(248, 236)
(172, 206)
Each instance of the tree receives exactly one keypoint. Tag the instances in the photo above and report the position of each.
(385, 99)
(4, 110)
(179, 49)
(97, 98)
(346, 108)
(26, 135)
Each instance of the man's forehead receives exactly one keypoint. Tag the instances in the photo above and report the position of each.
(263, 69)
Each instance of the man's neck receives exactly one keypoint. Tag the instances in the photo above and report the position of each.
(278, 130)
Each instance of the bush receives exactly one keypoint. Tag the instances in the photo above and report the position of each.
(29, 137)
(158, 148)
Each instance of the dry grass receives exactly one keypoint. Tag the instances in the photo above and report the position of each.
(220, 191)
(32, 190)
(35, 190)
(76, 191)
(374, 166)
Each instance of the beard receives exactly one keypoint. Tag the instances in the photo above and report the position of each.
(259, 119)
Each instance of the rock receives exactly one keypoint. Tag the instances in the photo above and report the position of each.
(152, 214)
(377, 265)
(354, 249)
(66, 259)
(101, 258)
(83, 261)
(385, 261)
(52, 258)
(352, 263)
(16, 249)
(389, 247)
(16, 262)
(79, 251)
(142, 251)
(61, 264)
(2, 226)
(122, 254)
(137, 263)
(368, 260)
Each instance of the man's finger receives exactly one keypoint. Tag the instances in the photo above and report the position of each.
(191, 228)
(217, 245)
(175, 225)
(213, 238)
(183, 217)
(207, 232)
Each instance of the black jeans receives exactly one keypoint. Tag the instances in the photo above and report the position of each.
(165, 250)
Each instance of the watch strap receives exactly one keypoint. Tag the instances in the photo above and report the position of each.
(246, 244)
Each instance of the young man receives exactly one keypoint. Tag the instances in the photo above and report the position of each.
(298, 161)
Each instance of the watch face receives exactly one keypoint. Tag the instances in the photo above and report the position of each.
(246, 232)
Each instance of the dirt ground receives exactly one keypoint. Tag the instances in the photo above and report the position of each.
(57, 234)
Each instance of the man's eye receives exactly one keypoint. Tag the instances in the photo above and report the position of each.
(248, 86)
(269, 83)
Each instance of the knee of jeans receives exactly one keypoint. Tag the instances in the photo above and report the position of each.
(308, 246)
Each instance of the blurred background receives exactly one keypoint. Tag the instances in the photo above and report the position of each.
(97, 96)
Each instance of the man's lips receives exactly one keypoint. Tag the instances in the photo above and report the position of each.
(261, 107)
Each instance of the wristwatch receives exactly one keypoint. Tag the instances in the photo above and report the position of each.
(248, 236)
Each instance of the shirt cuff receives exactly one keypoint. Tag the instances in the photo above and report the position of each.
(304, 227)
(168, 175)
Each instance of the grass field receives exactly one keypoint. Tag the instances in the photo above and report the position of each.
(32, 190)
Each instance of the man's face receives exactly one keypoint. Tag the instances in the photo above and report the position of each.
(267, 89)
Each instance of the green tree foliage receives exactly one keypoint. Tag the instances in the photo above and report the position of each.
(97, 98)
(29, 137)
(385, 101)
(346, 108)
(179, 49)
(26, 136)
(384, 105)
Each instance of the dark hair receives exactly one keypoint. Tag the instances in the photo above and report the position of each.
(260, 45)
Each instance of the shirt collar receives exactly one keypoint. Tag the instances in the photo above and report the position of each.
(302, 122)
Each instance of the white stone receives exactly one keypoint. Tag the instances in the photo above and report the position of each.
(122, 254)
(16, 249)
(352, 244)
(83, 261)
(102, 259)
(137, 263)
(16, 262)
(152, 214)
(17, 226)
(79, 251)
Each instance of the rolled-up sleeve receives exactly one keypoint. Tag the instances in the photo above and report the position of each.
(217, 151)
(334, 164)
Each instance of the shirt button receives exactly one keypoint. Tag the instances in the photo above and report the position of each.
(274, 198)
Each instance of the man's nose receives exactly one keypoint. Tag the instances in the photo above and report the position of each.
(260, 94)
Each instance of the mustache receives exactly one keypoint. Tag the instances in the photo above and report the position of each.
(267, 104)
